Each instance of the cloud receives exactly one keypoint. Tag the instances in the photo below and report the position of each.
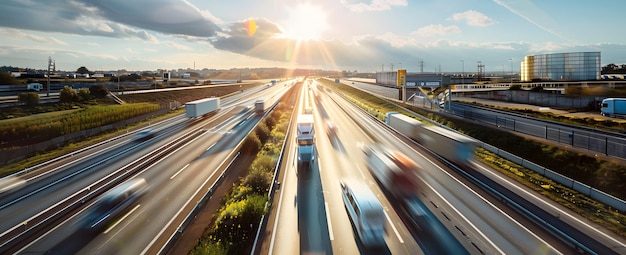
(14, 33)
(473, 18)
(166, 16)
(177, 46)
(374, 5)
(434, 30)
(110, 18)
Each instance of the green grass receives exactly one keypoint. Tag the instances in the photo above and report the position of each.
(29, 118)
(71, 147)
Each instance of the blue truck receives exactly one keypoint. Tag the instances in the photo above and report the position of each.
(614, 107)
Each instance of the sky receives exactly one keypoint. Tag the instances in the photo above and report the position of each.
(341, 35)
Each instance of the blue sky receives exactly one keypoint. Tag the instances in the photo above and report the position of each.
(368, 35)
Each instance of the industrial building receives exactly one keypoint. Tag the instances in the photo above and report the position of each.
(571, 66)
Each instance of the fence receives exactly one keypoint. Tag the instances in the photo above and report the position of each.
(542, 98)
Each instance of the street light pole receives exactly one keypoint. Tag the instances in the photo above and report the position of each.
(463, 72)
(511, 62)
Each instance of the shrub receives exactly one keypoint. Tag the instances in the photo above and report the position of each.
(68, 94)
(99, 91)
(29, 98)
(236, 223)
(259, 177)
(84, 94)
(263, 132)
(251, 145)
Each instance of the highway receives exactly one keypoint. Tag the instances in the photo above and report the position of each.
(446, 213)
(553, 218)
(452, 212)
(180, 164)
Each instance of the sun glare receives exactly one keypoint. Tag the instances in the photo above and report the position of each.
(305, 22)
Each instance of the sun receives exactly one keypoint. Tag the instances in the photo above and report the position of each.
(305, 22)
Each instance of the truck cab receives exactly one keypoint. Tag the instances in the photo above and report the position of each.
(35, 86)
(305, 138)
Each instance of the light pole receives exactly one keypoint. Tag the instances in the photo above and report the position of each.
(463, 72)
(511, 63)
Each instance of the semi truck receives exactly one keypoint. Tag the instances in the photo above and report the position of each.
(613, 107)
(201, 107)
(305, 139)
(392, 169)
(259, 107)
(446, 143)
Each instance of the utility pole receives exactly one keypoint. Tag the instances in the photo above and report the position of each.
(511, 63)
(463, 72)
(421, 63)
(51, 66)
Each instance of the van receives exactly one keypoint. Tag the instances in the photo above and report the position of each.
(365, 212)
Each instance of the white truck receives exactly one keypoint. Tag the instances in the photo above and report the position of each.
(259, 107)
(201, 107)
(613, 107)
(446, 143)
(392, 169)
(34, 86)
(305, 139)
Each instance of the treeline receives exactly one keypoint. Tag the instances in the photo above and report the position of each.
(614, 69)
(28, 130)
(235, 223)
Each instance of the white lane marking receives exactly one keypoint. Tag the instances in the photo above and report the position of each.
(179, 171)
(276, 220)
(186, 202)
(211, 146)
(330, 226)
(393, 227)
(361, 171)
(122, 219)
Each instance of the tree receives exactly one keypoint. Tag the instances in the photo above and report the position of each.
(254, 76)
(6, 78)
(83, 70)
(29, 98)
(84, 94)
(68, 94)
(99, 91)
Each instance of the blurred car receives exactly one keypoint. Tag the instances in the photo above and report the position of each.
(365, 212)
(308, 110)
(331, 129)
(113, 203)
(144, 135)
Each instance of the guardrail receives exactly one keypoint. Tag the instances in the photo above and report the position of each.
(270, 193)
(564, 180)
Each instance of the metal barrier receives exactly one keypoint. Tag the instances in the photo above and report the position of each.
(585, 189)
